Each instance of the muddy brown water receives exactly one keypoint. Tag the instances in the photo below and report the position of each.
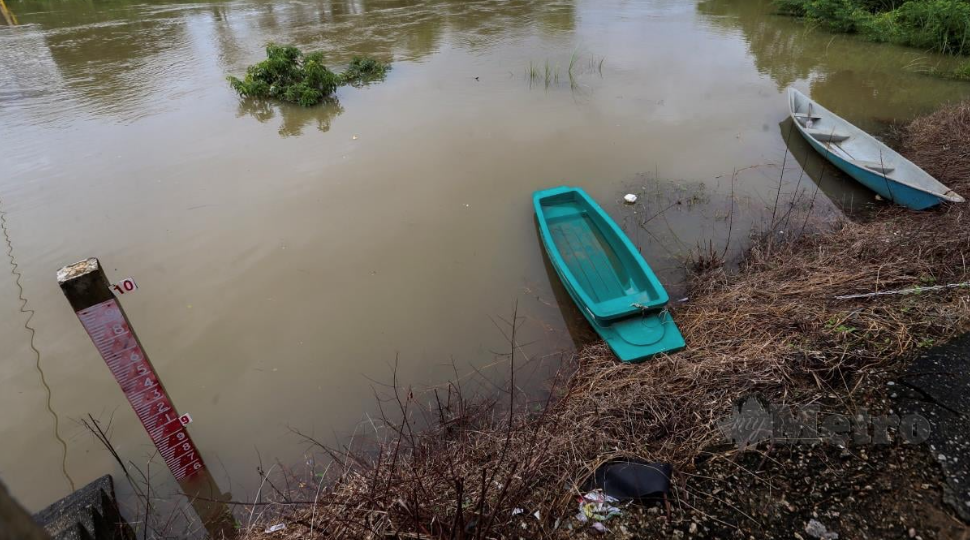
(287, 256)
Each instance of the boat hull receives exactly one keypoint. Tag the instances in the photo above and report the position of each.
(885, 187)
(641, 333)
(638, 337)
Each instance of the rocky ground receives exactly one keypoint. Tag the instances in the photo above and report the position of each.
(832, 488)
(807, 492)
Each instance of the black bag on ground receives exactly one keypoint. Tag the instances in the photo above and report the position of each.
(637, 481)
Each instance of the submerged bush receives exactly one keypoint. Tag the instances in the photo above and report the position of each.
(289, 75)
(962, 72)
(363, 69)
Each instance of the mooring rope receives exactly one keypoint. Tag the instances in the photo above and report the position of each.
(15, 270)
(663, 314)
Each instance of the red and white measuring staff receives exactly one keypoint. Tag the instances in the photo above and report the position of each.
(119, 347)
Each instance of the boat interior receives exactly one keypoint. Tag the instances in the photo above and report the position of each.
(831, 132)
(606, 271)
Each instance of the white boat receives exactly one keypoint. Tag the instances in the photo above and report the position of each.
(861, 156)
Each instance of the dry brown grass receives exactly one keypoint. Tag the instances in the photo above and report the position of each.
(940, 143)
(772, 328)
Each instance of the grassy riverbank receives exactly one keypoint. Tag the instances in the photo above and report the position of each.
(939, 25)
(461, 467)
(933, 25)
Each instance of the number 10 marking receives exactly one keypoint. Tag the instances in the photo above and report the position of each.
(125, 285)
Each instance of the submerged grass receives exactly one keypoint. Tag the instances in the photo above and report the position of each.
(572, 64)
(549, 75)
(773, 328)
(961, 73)
(363, 70)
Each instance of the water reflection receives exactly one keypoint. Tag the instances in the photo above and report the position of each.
(580, 332)
(126, 60)
(849, 196)
(118, 69)
(866, 83)
(294, 118)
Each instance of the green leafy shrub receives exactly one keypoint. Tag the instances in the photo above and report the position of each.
(943, 25)
(836, 15)
(940, 25)
(877, 6)
(793, 8)
(881, 27)
(289, 75)
(962, 72)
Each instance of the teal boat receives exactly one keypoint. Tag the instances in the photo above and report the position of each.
(605, 275)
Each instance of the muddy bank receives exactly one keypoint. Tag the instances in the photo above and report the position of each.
(773, 329)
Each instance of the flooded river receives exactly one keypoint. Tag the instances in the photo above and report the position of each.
(286, 257)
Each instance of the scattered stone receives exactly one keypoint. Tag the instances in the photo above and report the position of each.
(816, 529)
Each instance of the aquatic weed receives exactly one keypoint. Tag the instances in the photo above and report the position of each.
(549, 74)
(960, 73)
